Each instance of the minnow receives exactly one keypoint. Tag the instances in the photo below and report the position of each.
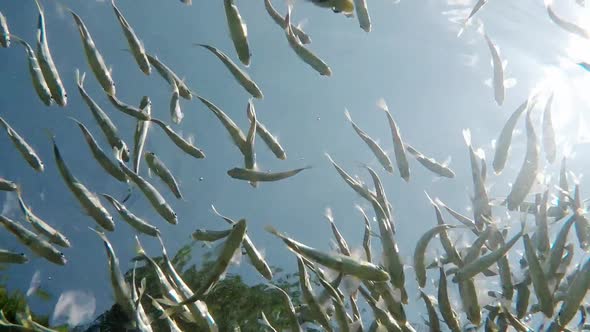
(141, 131)
(241, 76)
(170, 76)
(398, 145)
(40, 226)
(505, 139)
(175, 111)
(478, 5)
(209, 235)
(444, 304)
(498, 77)
(256, 258)
(100, 156)
(445, 241)
(41, 87)
(9, 257)
(432, 165)
(459, 217)
(342, 263)
(541, 236)
(375, 148)
(271, 141)
(134, 221)
(7, 185)
(555, 256)
(381, 315)
(104, 122)
(540, 284)
(232, 128)
(280, 20)
(250, 154)
(142, 321)
(362, 13)
(291, 313)
(562, 198)
(180, 142)
(528, 172)
(482, 210)
(238, 31)
(433, 320)
(420, 252)
(567, 26)
(259, 176)
(342, 245)
(33, 241)
(152, 194)
(581, 224)
(338, 6)
(94, 58)
(549, 133)
(316, 309)
(302, 52)
(135, 45)
(50, 73)
(133, 111)
(354, 184)
(25, 150)
(469, 301)
(159, 168)
(366, 235)
(4, 32)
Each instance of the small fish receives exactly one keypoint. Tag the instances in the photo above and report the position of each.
(170, 76)
(263, 321)
(562, 198)
(280, 20)
(474, 10)
(432, 165)
(366, 235)
(375, 148)
(271, 141)
(50, 73)
(528, 172)
(135, 45)
(209, 235)
(241, 76)
(469, 301)
(362, 13)
(398, 145)
(338, 6)
(133, 111)
(104, 122)
(141, 131)
(104, 161)
(482, 210)
(459, 217)
(541, 236)
(23, 147)
(180, 142)
(445, 241)
(581, 223)
(444, 305)
(94, 58)
(158, 167)
(250, 154)
(566, 25)
(302, 52)
(4, 32)
(238, 31)
(433, 320)
(540, 284)
(175, 111)
(134, 221)
(152, 194)
(420, 252)
(548, 132)
(358, 187)
(37, 78)
(232, 128)
(292, 318)
(169, 321)
(120, 287)
(259, 176)
(381, 197)
(9, 257)
(41, 227)
(7, 185)
(505, 139)
(33, 241)
(342, 263)
(555, 256)
(381, 315)
(343, 246)
(316, 310)
(497, 64)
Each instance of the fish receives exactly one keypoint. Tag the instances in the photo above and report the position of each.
(7, 185)
(449, 315)
(398, 145)
(358, 187)
(35, 71)
(555, 256)
(134, 221)
(505, 138)
(41, 227)
(170, 76)
(4, 32)
(342, 263)
(482, 210)
(280, 20)
(445, 241)
(135, 45)
(152, 194)
(120, 287)
(104, 161)
(142, 321)
(33, 241)
(141, 131)
(50, 72)
(469, 301)
(540, 284)
(343, 246)
(159, 168)
(562, 198)
(375, 148)
(548, 133)
(236, 134)
(172, 326)
(528, 172)
(420, 252)
(433, 320)
(566, 25)
(541, 236)
(302, 52)
(271, 141)
(316, 310)
(133, 111)
(362, 14)
(291, 314)
(238, 31)
(381, 315)
(259, 176)
(250, 154)
(104, 122)
(9, 257)
(25, 150)
(432, 165)
(175, 111)
(241, 76)
(180, 142)
(94, 58)
(338, 6)
(498, 78)
(581, 224)
(209, 235)
(366, 235)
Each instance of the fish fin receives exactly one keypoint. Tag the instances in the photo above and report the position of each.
(347, 114)
(467, 136)
(382, 105)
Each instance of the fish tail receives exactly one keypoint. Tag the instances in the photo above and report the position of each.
(467, 136)
(138, 247)
(382, 105)
(272, 230)
(347, 114)
(329, 215)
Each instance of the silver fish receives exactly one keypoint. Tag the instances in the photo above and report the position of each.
(180, 142)
(158, 167)
(375, 148)
(482, 211)
(4, 32)
(362, 13)
(232, 128)
(498, 77)
(317, 311)
(209, 235)
(134, 221)
(7, 185)
(238, 31)
(280, 20)
(141, 131)
(302, 52)
(566, 25)
(549, 133)
(37, 78)
(540, 284)
(420, 252)
(23, 147)
(175, 110)
(170, 76)
(398, 145)
(9, 257)
(128, 109)
(271, 142)
(431, 164)
(250, 155)
(258, 176)
(41, 227)
(444, 304)
(133, 41)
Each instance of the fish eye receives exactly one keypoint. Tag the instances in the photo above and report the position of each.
(61, 254)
